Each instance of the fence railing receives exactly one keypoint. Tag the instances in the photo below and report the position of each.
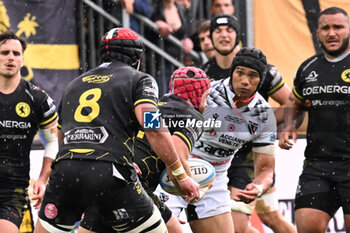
(94, 20)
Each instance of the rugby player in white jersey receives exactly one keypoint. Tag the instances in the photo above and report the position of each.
(245, 116)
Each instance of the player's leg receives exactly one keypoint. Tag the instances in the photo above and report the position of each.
(13, 202)
(347, 223)
(240, 213)
(213, 212)
(269, 214)
(220, 223)
(313, 208)
(311, 220)
(342, 180)
(173, 225)
(7, 226)
(239, 175)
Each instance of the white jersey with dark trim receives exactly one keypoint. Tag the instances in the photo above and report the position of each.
(232, 127)
(323, 86)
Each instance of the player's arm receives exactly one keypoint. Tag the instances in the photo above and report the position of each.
(51, 148)
(281, 97)
(292, 112)
(182, 151)
(162, 144)
(264, 165)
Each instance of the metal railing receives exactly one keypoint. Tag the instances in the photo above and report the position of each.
(94, 20)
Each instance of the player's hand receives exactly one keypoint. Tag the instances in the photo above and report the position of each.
(38, 191)
(284, 137)
(249, 194)
(190, 188)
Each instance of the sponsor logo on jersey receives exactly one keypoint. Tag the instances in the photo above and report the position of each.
(326, 89)
(22, 109)
(345, 75)
(231, 127)
(120, 214)
(215, 151)
(312, 77)
(15, 124)
(332, 103)
(151, 119)
(96, 78)
(231, 140)
(234, 119)
(252, 127)
(50, 211)
(273, 137)
(95, 135)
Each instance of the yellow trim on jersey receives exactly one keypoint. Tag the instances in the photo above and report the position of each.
(276, 88)
(82, 151)
(297, 94)
(184, 138)
(59, 126)
(52, 56)
(49, 120)
(145, 100)
(140, 134)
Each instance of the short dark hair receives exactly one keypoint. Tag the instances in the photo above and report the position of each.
(233, 2)
(10, 35)
(332, 11)
(205, 26)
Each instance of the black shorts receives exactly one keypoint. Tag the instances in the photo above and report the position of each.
(324, 185)
(105, 192)
(13, 202)
(241, 171)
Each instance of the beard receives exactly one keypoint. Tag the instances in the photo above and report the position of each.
(339, 51)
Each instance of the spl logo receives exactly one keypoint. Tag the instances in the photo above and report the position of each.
(346, 75)
(22, 109)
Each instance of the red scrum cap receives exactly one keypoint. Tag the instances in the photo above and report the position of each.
(189, 83)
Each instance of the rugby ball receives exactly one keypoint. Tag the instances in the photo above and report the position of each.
(201, 171)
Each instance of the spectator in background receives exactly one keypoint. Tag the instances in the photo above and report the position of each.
(142, 7)
(170, 19)
(205, 43)
(319, 88)
(217, 7)
(222, 7)
(169, 16)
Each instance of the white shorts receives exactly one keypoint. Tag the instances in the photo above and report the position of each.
(215, 202)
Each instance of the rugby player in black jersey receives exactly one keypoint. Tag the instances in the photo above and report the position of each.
(24, 109)
(178, 108)
(322, 88)
(100, 113)
(224, 31)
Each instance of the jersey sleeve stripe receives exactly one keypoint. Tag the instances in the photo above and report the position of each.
(184, 138)
(278, 86)
(140, 101)
(49, 120)
(259, 144)
(297, 94)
